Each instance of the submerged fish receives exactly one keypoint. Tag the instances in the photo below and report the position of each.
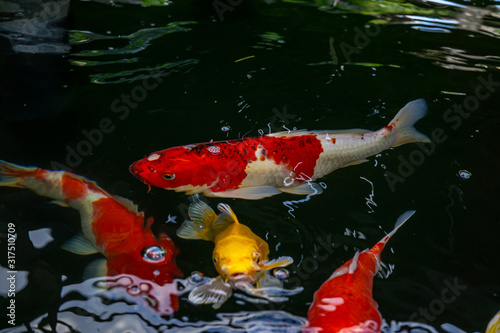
(344, 303)
(254, 168)
(110, 224)
(494, 324)
(239, 256)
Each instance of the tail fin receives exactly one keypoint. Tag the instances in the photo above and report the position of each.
(401, 220)
(12, 174)
(377, 249)
(202, 220)
(406, 119)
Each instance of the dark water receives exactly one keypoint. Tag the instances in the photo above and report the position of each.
(139, 78)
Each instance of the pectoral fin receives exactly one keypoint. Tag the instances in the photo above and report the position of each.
(203, 217)
(248, 193)
(278, 262)
(309, 188)
(79, 245)
(215, 292)
(96, 268)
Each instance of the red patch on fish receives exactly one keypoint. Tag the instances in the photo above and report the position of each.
(222, 165)
(72, 188)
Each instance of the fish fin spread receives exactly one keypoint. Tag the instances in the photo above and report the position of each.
(308, 188)
(226, 210)
(404, 121)
(11, 174)
(269, 287)
(200, 211)
(203, 217)
(131, 206)
(249, 193)
(400, 221)
(79, 245)
(96, 268)
(59, 203)
(215, 292)
(278, 262)
(354, 131)
(289, 133)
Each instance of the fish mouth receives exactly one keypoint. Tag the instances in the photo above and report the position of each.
(136, 170)
(241, 279)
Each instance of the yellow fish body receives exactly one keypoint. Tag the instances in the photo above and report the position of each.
(494, 324)
(239, 256)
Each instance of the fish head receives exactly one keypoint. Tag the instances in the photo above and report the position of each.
(172, 168)
(237, 260)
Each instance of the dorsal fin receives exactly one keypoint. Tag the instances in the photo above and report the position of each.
(126, 203)
(226, 209)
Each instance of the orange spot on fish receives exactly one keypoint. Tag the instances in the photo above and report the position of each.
(390, 127)
(262, 158)
(73, 188)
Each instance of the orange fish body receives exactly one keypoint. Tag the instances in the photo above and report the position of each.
(111, 225)
(255, 168)
(344, 303)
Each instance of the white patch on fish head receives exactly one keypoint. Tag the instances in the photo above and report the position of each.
(330, 304)
(214, 149)
(189, 147)
(153, 157)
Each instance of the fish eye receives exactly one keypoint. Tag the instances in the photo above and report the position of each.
(169, 176)
(154, 253)
(256, 256)
(215, 260)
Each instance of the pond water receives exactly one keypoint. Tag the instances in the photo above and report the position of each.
(92, 86)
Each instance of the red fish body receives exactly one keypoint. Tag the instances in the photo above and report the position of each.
(111, 225)
(254, 168)
(344, 303)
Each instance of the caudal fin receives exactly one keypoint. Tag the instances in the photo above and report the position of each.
(202, 220)
(404, 121)
(401, 220)
(12, 174)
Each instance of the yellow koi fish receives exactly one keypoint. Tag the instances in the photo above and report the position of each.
(239, 256)
(494, 324)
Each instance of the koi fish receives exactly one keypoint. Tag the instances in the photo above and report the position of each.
(494, 324)
(110, 224)
(344, 303)
(239, 256)
(255, 168)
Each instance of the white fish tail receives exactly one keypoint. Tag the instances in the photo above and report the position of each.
(399, 223)
(404, 121)
(12, 175)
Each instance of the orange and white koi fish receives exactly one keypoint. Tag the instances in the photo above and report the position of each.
(344, 303)
(255, 168)
(239, 256)
(110, 224)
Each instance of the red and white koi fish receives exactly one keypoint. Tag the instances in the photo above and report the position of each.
(344, 303)
(254, 168)
(110, 224)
